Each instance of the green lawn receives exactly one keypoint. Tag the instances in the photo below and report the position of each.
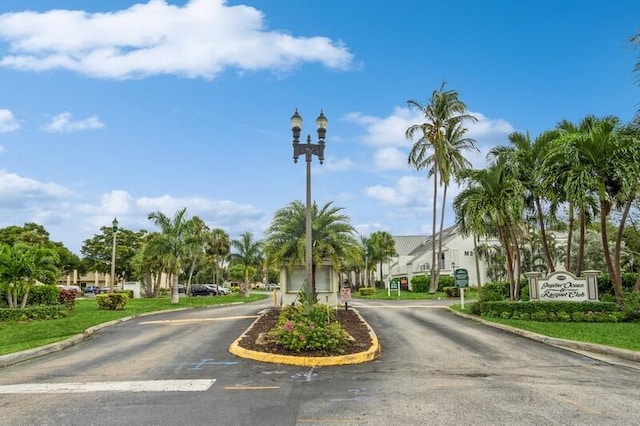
(624, 335)
(18, 336)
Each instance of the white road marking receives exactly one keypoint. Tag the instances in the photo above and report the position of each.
(191, 320)
(399, 306)
(139, 386)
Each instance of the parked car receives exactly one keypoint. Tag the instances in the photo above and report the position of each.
(92, 289)
(273, 286)
(222, 291)
(203, 290)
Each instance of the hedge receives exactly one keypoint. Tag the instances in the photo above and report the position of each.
(33, 313)
(552, 311)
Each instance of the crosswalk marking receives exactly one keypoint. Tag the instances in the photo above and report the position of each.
(127, 386)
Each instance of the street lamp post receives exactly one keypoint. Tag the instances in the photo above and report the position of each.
(114, 228)
(308, 149)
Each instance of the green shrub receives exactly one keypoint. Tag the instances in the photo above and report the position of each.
(631, 305)
(524, 293)
(445, 281)
(367, 291)
(494, 291)
(33, 313)
(452, 291)
(128, 292)
(303, 328)
(420, 284)
(112, 301)
(553, 311)
(41, 295)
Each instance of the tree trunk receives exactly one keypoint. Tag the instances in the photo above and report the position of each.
(616, 280)
(583, 231)
(543, 233)
(433, 285)
(175, 297)
(618, 247)
(567, 263)
(444, 200)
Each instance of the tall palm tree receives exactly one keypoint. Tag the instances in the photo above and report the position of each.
(491, 205)
(217, 249)
(171, 245)
(610, 156)
(195, 240)
(571, 182)
(332, 238)
(384, 248)
(248, 254)
(444, 116)
(526, 158)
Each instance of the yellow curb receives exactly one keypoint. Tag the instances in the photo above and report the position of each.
(309, 361)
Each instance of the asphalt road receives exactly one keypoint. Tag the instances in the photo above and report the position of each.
(435, 369)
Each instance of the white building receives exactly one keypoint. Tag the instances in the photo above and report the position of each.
(415, 256)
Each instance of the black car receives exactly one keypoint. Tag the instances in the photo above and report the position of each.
(202, 290)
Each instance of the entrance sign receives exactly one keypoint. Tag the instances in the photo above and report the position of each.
(562, 286)
(394, 284)
(461, 278)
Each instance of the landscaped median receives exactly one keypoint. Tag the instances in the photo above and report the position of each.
(303, 360)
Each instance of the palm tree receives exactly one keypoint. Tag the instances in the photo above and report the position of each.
(248, 254)
(610, 157)
(217, 249)
(526, 158)
(444, 115)
(491, 205)
(171, 245)
(21, 266)
(384, 248)
(571, 183)
(332, 236)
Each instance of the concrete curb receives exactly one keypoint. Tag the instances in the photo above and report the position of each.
(595, 348)
(303, 361)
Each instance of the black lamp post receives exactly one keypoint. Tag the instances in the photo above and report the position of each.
(308, 149)
(114, 228)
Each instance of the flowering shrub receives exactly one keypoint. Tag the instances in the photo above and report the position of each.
(67, 297)
(305, 328)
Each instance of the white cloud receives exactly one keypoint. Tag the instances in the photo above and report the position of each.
(386, 134)
(407, 190)
(200, 39)
(18, 191)
(133, 212)
(64, 123)
(8, 123)
(390, 159)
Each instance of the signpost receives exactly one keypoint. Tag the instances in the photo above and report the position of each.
(345, 296)
(461, 280)
(394, 284)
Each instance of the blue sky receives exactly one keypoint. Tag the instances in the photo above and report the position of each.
(121, 108)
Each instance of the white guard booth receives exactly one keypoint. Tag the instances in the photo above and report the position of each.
(327, 283)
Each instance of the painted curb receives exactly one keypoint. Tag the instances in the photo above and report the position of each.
(595, 348)
(307, 361)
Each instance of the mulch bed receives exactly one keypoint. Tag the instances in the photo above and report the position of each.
(357, 329)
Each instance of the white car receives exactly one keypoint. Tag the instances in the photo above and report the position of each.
(273, 286)
(223, 290)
